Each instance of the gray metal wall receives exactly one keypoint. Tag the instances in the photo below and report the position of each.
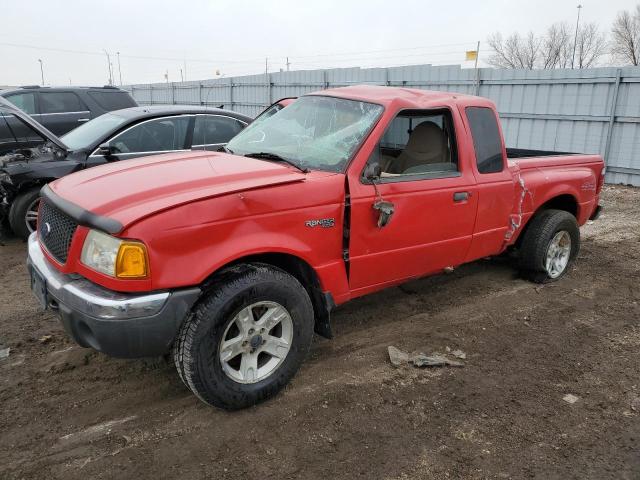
(590, 111)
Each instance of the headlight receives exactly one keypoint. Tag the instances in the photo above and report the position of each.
(114, 257)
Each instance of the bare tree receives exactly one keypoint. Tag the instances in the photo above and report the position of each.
(514, 52)
(625, 41)
(591, 44)
(555, 49)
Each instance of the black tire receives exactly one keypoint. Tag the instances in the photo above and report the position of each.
(537, 238)
(18, 212)
(196, 352)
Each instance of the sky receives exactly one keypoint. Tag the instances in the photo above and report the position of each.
(225, 38)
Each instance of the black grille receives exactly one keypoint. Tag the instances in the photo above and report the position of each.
(55, 230)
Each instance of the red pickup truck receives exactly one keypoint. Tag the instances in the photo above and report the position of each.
(232, 259)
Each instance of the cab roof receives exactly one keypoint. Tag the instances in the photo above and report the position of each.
(409, 97)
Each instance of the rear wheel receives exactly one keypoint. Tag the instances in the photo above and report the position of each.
(246, 338)
(549, 245)
(23, 215)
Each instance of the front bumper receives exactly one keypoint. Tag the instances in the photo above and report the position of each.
(118, 324)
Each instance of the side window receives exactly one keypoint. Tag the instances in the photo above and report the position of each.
(418, 143)
(24, 101)
(213, 129)
(269, 112)
(7, 139)
(486, 139)
(60, 102)
(112, 100)
(160, 135)
(22, 132)
(16, 135)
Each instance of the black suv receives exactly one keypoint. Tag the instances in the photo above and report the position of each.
(114, 136)
(61, 109)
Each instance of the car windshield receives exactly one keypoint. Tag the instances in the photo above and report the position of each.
(89, 134)
(314, 132)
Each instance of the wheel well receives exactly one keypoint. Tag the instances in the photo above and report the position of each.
(565, 202)
(29, 184)
(322, 302)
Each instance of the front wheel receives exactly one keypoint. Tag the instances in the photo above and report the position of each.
(23, 215)
(550, 244)
(246, 337)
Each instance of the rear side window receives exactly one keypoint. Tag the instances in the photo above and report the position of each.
(112, 100)
(60, 102)
(24, 101)
(486, 139)
(214, 129)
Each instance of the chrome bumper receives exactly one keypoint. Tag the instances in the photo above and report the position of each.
(118, 324)
(86, 297)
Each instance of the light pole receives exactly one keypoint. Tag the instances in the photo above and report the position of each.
(575, 40)
(41, 71)
(109, 67)
(119, 70)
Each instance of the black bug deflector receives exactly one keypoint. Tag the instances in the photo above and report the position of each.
(80, 215)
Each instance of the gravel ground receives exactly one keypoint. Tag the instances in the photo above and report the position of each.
(72, 413)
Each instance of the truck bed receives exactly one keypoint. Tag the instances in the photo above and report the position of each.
(514, 153)
(527, 159)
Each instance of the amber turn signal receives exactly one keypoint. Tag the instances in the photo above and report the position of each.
(132, 260)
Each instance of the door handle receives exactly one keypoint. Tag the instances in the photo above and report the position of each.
(81, 120)
(461, 196)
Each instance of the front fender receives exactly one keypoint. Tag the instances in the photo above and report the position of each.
(188, 243)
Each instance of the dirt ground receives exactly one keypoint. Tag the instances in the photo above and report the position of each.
(67, 412)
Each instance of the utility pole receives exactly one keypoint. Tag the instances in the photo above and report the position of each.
(109, 67)
(166, 76)
(575, 40)
(288, 64)
(476, 68)
(119, 69)
(181, 76)
(266, 66)
(185, 69)
(41, 71)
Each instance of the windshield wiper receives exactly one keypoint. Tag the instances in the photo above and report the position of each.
(226, 150)
(276, 158)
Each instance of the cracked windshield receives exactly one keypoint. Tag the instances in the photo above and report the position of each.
(315, 132)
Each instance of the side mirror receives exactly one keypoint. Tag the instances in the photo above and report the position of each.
(372, 172)
(106, 149)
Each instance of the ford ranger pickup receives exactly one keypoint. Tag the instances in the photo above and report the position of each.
(231, 260)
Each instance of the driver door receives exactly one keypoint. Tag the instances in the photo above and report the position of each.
(433, 198)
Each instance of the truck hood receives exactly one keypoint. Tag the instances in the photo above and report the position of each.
(130, 190)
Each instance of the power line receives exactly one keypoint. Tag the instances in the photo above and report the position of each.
(221, 61)
(138, 57)
(385, 50)
(251, 66)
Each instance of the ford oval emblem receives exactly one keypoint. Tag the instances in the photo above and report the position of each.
(45, 230)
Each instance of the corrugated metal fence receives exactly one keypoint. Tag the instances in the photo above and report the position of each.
(589, 111)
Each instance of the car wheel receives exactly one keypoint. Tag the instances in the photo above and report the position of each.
(246, 337)
(550, 244)
(23, 214)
